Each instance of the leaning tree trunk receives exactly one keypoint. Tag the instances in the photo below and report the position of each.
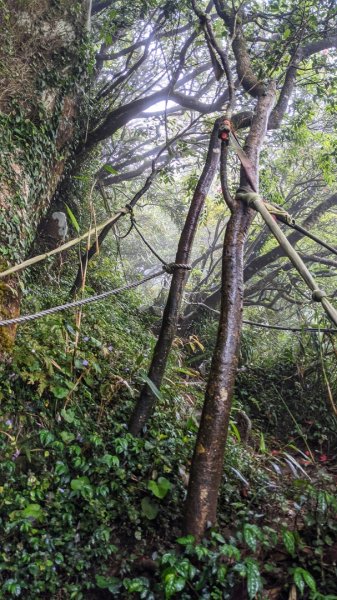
(41, 61)
(146, 401)
(207, 462)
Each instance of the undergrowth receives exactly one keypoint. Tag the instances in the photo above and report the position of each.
(88, 511)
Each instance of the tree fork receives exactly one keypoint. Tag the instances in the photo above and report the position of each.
(146, 401)
(207, 463)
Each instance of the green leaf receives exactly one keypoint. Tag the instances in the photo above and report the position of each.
(172, 582)
(32, 511)
(254, 583)
(309, 580)
(192, 424)
(152, 386)
(12, 587)
(79, 484)
(138, 584)
(68, 415)
(298, 579)
(112, 584)
(59, 391)
(67, 436)
(251, 534)
(46, 437)
(110, 460)
(72, 218)
(160, 487)
(61, 468)
(289, 541)
(187, 539)
(230, 551)
(235, 431)
(110, 169)
(149, 509)
(262, 445)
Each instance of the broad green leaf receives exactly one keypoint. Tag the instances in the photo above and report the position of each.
(172, 583)
(289, 541)
(61, 468)
(46, 437)
(79, 484)
(13, 587)
(254, 584)
(102, 582)
(149, 509)
(32, 511)
(230, 551)
(251, 534)
(187, 539)
(59, 391)
(298, 579)
(67, 436)
(68, 415)
(108, 583)
(110, 460)
(160, 487)
(309, 580)
(138, 584)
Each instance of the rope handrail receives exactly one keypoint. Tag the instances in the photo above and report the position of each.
(228, 136)
(292, 329)
(277, 327)
(75, 303)
(253, 199)
(93, 231)
(168, 267)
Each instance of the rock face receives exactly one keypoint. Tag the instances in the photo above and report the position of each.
(42, 61)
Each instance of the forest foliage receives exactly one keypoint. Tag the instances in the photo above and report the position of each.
(152, 444)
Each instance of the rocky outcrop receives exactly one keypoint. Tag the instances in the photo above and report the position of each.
(42, 61)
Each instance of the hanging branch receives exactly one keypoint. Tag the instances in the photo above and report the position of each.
(154, 171)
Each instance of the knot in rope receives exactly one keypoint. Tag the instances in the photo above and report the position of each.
(171, 267)
(281, 214)
(247, 195)
(126, 209)
(318, 295)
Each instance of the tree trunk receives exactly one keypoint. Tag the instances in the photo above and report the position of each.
(207, 462)
(168, 329)
(206, 470)
(42, 49)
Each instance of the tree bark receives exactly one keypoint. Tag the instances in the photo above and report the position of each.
(146, 401)
(207, 462)
(206, 470)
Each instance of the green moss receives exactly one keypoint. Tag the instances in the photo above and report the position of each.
(32, 140)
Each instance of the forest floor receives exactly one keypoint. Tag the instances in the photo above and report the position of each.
(89, 511)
